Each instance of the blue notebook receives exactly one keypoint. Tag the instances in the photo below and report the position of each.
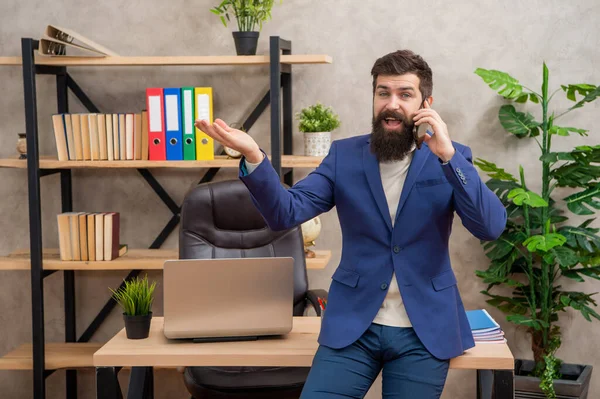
(479, 319)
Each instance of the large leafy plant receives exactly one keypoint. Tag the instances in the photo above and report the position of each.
(539, 245)
(249, 14)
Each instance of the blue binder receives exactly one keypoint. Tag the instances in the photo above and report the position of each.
(174, 130)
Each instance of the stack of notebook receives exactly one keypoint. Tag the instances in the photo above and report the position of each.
(87, 236)
(484, 327)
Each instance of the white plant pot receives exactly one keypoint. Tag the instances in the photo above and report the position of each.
(317, 143)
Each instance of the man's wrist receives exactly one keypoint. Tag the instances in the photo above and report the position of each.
(255, 157)
(446, 157)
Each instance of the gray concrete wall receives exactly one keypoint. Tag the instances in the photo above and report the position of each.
(454, 37)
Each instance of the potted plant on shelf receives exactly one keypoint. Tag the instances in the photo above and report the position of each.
(250, 16)
(317, 122)
(136, 299)
(540, 246)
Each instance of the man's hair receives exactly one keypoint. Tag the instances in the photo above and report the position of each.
(401, 62)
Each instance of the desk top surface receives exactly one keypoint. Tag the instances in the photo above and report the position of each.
(295, 349)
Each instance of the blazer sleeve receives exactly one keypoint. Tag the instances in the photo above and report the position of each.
(479, 209)
(283, 208)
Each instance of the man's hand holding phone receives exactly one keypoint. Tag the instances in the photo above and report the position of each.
(439, 142)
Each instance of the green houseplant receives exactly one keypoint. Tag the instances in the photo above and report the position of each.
(317, 122)
(250, 16)
(540, 246)
(136, 298)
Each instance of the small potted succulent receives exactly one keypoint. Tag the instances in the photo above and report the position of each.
(317, 122)
(136, 298)
(250, 15)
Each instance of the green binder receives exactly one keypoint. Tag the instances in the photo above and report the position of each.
(187, 119)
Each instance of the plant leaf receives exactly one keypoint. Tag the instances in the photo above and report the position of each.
(534, 98)
(527, 321)
(564, 131)
(581, 237)
(580, 171)
(580, 301)
(503, 83)
(565, 256)
(520, 197)
(590, 96)
(493, 171)
(544, 242)
(517, 305)
(518, 123)
(578, 203)
(582, 89)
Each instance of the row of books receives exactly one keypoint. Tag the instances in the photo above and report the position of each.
(96, 137)
(87, 236)
(484, 328)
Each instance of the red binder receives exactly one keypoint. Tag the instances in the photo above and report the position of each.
(156, 124)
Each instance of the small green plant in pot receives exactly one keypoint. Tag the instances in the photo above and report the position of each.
(540, 246)
(317, 122)
(136, 298)
(250, 16)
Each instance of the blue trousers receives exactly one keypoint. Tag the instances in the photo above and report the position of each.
(409, 370)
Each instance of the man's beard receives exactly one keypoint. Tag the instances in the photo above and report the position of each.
(391, 145)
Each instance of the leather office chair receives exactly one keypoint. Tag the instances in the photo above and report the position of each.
(219, 220)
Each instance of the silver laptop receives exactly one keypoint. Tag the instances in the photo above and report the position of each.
(228, 299)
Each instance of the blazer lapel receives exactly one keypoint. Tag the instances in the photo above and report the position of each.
(417, 163)
(371, 166)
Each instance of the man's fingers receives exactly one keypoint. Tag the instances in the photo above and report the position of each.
(222, 124)
(221, 130)
(435, 124)
(209, 130)
(427, 113)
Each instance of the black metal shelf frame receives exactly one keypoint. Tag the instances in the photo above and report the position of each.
(279, 97)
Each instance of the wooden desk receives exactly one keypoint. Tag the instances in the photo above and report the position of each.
(294, 350)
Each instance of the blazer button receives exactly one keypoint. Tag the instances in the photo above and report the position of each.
(396, 249)
(384, 286)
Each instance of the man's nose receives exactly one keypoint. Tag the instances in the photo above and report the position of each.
(394, 103)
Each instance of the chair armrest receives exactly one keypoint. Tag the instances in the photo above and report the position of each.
(312, 296)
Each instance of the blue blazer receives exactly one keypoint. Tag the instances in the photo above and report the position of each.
(416, 248)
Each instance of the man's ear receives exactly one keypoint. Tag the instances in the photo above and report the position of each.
(430, 100)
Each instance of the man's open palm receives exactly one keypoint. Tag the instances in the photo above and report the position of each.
(232, 138)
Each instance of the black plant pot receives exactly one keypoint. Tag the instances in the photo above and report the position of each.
(137, 327)
(245, 42)
(574, 383)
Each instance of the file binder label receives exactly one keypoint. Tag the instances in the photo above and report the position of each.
(205, 149)
(187, 114)
(154, 113)
(172, 109)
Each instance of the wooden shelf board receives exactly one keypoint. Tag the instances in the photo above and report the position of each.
(57, 355)
(134, 259)
(10, 61)
(220, 161)
(171, 60)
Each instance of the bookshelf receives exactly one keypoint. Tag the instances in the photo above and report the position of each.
(43, 357)
(170, 61)
(58, 356)
(220, 161)
(142, 259)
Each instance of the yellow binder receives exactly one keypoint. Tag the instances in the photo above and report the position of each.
(203, 98)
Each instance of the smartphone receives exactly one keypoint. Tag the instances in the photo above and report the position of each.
(420, 131)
